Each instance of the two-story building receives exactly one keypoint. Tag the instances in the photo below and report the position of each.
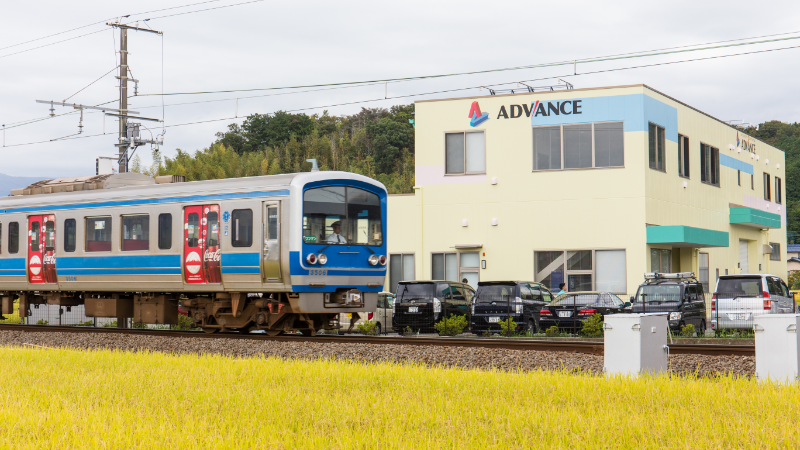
(591, 187)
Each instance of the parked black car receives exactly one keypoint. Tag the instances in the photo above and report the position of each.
(420, 304)
(570, 310)
(678, 294)
(497, 301)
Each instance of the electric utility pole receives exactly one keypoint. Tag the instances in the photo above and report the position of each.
(126, 139)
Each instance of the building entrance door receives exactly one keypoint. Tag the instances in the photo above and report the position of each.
(743, 257)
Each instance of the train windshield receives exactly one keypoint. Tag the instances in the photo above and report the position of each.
(340, 215)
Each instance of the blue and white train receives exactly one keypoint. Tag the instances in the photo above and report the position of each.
(274, 253)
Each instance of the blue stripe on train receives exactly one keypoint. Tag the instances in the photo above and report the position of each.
(296, 269)
(150, 201)
(333, 287)
(12, 264)
(241, 270)
(157, 271)
(12, 273)
(119, 262)
(240, 260)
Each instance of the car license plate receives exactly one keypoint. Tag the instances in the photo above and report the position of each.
(564, 313)
(413, 309)
(349, 315)
(494, 320)
(737, 316)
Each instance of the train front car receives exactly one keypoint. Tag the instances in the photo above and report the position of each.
(337, 244)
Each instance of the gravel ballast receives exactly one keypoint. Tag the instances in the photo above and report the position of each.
(431, 355)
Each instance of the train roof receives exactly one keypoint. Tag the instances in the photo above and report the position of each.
(136, 186)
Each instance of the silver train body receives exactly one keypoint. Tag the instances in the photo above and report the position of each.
(249, 253)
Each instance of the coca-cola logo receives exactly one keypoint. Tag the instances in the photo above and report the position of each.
(212, 256)
(36, 265)
(193, 263)
(50, 260)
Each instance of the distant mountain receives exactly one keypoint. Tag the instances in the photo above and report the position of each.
(7, 183)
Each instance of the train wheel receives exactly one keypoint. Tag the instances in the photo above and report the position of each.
(273, 332)
(210, 330)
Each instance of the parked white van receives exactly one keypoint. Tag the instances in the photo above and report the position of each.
(739, 298)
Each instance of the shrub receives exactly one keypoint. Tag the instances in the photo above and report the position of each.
(367, 327)
(88, 323)
(508, 326)
(687, 331)
(139, 325)
(408, 331)
(111, 324)
(184, 322)
(42, 322)
(552, 331)
(451, 326)
(593, 326)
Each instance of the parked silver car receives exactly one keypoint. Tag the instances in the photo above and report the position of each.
(739, 298)
(382, 316)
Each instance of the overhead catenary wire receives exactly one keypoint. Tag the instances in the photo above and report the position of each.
(430, 93)
(93, 82)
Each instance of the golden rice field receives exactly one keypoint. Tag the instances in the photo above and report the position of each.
(102, 399)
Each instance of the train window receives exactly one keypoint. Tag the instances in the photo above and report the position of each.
(272, 223)
(135, 233)
(70, 235)
(165, 231)
(98, 234)
(212, 220)
(13, 237)
(35, 230)
(242, 221)
(50, 235)
(341, 215)
(193, 230)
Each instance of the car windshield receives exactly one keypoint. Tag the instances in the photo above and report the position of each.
(659, 293)
(495, 292)
(339, 215)
(742, 287)
(414, 290)
(577, 300)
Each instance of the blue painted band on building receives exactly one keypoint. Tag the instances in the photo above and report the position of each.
(149, 201)
(736, 164)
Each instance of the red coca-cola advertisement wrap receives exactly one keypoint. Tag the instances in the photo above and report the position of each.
(49, 241)
(35, 249)
(201, 249)
(211, 256)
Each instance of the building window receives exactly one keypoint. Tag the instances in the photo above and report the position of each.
(465, 153)
(98, 234)
(739, 177)
(70, 235)
(767, 195)
(611, 271)
(778, 191)
(752, 182)
(401, 268)
(660, 260)
(444, 266)
(577, 146)
(582, 270)
(135, 233)
(703, 269)
(580, 146)
(683, 156)
(776, 251)
(469, 268)
(547, 148)
(13, 237)
(242, 222)
(657, 143)
(549, 269)
(164, 231)
(709, 164)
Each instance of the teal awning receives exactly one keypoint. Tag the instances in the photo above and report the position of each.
(751, 217)
(683, 236)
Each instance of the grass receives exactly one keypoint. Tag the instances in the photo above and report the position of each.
(58, 398)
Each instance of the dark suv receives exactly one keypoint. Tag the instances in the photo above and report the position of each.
(679, 294)
(495, 301)
(420, 304)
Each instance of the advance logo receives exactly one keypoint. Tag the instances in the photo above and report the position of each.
(566, 108)
(476, 118)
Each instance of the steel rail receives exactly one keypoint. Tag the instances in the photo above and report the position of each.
(587, 347)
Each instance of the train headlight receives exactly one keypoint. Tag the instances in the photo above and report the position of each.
(311, 258)
(373, 259)
(382, 260)
(322, 258)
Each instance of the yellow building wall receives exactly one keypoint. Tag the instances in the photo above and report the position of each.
(578, 209)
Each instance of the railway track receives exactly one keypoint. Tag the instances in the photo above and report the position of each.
(589, 347)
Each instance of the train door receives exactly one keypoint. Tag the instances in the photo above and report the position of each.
(271, 259)
(201, 247)
(42, 249)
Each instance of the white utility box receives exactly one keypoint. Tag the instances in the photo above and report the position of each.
(777, 347)
(635, 343)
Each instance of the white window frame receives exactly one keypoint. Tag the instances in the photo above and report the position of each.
(464, 132)
(594, 149)
(664, 150)
(592, 272)
(684, 163)
(402, 256)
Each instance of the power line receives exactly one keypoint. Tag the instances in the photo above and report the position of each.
(93, 82)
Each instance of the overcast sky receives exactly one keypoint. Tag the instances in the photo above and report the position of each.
(273, 44)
